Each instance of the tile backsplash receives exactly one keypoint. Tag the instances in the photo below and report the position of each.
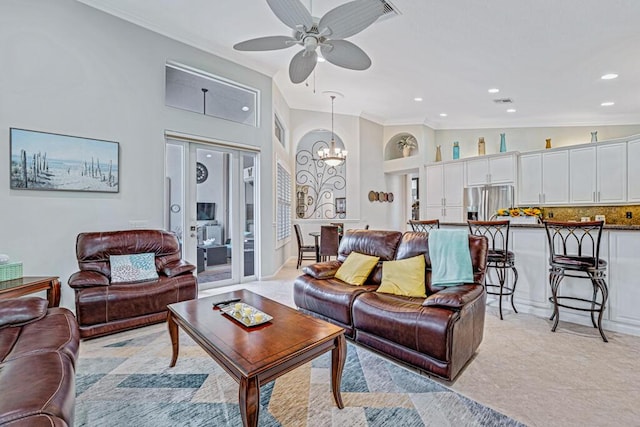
(614, 214)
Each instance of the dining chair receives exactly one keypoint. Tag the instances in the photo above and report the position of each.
(302, 248)
(329, 241)
(424, 225)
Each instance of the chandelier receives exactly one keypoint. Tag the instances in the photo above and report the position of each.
(332, 156)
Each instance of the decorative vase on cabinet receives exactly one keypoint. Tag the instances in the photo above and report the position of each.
(456, 150)
(503, 143)
(594, 136)
(406, 151)
(438, 154)
(548, 140)
(481, 150)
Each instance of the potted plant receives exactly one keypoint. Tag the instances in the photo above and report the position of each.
(406, 144)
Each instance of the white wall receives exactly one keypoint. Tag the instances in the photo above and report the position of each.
(70, 69)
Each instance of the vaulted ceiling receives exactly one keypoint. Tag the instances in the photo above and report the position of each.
(546, 56)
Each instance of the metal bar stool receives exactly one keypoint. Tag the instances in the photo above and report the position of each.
(574, 251)
(499, 257)
(424, 225)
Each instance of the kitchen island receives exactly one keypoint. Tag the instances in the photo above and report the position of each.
(620, 247)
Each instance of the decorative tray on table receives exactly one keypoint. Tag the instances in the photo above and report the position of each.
(246, 314)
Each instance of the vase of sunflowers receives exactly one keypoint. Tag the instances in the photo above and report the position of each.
(531, 215)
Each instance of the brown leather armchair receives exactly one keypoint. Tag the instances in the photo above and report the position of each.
(103, 307)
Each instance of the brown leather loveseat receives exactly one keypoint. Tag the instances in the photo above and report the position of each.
(438, 334)
(38, 351)
(103, 307)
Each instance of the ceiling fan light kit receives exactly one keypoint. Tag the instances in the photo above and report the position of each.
(328, 33)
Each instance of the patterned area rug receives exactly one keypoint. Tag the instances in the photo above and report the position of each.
(125, 380)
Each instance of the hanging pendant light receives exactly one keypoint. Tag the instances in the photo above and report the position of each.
(332, 156)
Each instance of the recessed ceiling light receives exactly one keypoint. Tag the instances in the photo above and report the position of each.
(417, 99)
(245, 108)
(511, 110)
(494, 90)
(607, 104)
(321, 59)
(209, 155)
(443, 114)
(609, 76)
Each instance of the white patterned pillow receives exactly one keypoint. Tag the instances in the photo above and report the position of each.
(133, 268)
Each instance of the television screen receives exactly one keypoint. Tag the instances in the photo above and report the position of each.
(206, 211)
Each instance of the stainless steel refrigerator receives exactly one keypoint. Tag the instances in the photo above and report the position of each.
(482, 203)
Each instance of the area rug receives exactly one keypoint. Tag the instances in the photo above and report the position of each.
(125, 380)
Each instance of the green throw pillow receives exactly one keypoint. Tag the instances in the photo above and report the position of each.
(404, 277)
(356, 268)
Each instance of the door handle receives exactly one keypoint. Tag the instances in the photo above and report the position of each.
(594, 197)
(598, 196)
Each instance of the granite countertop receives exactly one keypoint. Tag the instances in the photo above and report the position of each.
(606, 226)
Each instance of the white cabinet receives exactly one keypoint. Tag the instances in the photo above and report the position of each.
(622, 277)
(633, 169)
(544, 178)
(530, 248)
(491, 170)
(598, 174)
(444, 192)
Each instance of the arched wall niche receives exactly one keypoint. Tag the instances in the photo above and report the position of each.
(320, 189)
(393, 151)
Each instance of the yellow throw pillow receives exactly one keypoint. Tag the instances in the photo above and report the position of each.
(356, 268)
(404, 277)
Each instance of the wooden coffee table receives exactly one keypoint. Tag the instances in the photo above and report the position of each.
(254, 356)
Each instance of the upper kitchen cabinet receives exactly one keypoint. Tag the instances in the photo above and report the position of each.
(633, 171)
(544, 178)
(598, 174)
(496, 169)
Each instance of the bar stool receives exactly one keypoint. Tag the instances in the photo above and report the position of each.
(424, 225)
(499, 257)
(574, 251)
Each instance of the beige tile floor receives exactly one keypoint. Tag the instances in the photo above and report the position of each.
(567, 378)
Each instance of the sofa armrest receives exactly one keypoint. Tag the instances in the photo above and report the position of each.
(322, 270)
(88, 279)
(455, 297)
(175, 268)
(20, 311)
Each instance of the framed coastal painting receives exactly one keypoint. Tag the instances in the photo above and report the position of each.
(49, 161)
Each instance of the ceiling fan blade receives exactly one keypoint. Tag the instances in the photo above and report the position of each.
(266, 43)
(302, 65)
(292, 13)
(345, 54)
(350, 18)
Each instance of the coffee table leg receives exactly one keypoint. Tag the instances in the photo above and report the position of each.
(249, 398)
(175, 338)
(338, 357)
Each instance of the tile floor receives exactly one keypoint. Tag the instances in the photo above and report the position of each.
(567, 378)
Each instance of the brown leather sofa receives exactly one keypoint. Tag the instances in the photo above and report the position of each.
(437, 335)
(38, 350)
(103, 307)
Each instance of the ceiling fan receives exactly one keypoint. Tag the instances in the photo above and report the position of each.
(328, 32)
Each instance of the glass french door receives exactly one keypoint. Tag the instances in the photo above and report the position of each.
(217, 226)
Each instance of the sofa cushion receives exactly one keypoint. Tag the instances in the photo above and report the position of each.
(403, 321)
(39, 383)
(356, 268)
(133, 268)
(404, 277)
(16, 312)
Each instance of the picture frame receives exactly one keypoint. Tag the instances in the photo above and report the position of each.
(50, 161)
(341, 205)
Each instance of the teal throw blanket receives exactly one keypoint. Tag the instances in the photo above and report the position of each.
(450, 257)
